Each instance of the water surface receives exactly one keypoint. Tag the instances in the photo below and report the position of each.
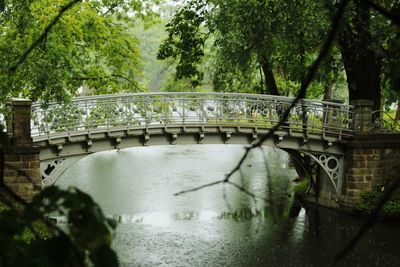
(219, 225)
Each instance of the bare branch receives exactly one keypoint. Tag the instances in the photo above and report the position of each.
(303, 89)
(369, 223)
(304, 85)
(42, 37)
(199, 188)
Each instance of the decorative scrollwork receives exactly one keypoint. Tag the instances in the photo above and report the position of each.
(332, 165)
(138, 110)
(384, 123)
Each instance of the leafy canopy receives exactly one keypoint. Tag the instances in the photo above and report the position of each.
(89, 45)
(265, 46)
(247, 35)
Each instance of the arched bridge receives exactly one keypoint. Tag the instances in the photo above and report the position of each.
(68, 132)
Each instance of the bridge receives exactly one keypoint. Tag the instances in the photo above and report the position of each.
(315, 134)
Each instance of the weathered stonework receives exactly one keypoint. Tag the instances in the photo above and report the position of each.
(21, 163)
(22, 171)
(362, 115)
(371, 159)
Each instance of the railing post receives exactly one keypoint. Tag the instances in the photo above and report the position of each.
(333, 119)
(362, 115)
(19, 122)
(21, 172)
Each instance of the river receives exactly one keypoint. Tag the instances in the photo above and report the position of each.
(219, 225)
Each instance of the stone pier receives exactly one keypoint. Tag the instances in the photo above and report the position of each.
(371, 159)
(21, 163)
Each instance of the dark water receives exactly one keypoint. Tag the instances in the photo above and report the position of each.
(219, 225)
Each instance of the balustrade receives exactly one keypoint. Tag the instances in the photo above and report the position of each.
(163, 109)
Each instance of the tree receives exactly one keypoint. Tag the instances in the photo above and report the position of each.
(257, 43)
(360, 60)
(276, 40)
(48, 49)
(90, 44)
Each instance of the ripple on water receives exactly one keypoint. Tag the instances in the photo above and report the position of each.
(204, 228)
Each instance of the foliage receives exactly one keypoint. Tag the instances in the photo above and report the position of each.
(300, 189)
(370, 199)
(29, 238)
(252, 41)
(185, 41)
(90, 45)
(387, 46)
(159, 75)
(266, 47)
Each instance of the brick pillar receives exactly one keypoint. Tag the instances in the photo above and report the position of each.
(371, 159)
(363, 115)
(19, 123)
(21, 172)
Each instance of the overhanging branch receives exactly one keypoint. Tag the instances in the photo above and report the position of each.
(303, 89)
(42, 37)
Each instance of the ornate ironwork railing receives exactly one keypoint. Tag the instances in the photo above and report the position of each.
(151, 109)
(384, 123)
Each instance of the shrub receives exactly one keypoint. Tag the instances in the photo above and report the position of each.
(370, 200)
(300, 189)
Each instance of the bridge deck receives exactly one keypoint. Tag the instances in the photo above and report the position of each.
(137, 111)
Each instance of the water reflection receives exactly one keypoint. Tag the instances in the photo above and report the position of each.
(219, 226)
(163, 218)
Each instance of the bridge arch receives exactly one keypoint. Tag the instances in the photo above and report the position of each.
(68, 132)
(53, 168)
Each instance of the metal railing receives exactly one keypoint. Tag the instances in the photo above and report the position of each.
(384, 123)
(164, 109)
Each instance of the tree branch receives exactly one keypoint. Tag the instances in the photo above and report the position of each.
(303, 89)
(199, 188)
(395, 18)
(132, 82)
(42, 37)
(305, 83)
(371, 221)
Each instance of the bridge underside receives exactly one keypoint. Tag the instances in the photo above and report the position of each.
(63, 150)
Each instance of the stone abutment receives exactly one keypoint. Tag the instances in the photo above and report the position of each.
(20, 158)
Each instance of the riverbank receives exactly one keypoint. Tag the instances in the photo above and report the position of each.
(390, 211)
(371, 199)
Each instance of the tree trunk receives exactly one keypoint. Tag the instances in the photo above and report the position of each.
(272, 87)
(269, 77)
(397, 118)
(360, 61)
